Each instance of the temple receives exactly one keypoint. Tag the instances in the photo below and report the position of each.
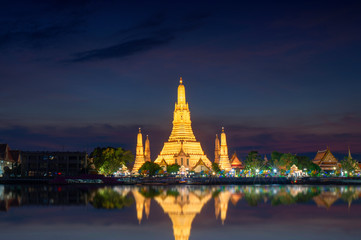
(217, 150)
(182, 147)
(224, 163)
(139, 156)
(147, 150)
(236, 163)
(326, 160)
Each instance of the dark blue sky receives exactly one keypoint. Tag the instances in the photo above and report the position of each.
(277, 75)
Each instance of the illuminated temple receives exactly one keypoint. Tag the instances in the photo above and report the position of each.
(182, 147)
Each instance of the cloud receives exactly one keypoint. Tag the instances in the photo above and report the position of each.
(38, 35)
(151, 33)
(121, 50)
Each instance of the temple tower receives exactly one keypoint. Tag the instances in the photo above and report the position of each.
(182, 137)
(147, 150)
(217, 150)
(139, 157)
(224, 163)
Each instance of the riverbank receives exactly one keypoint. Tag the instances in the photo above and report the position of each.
(98, 179)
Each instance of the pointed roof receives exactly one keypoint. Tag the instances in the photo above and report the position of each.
(200, 163)
(235, 162)
(181, 151)
(349, 153)
(163, 163)
(15, 154)
(320, 154)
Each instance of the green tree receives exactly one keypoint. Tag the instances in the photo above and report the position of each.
(150, 168)
(253, 162)
(350, 165)
(304, 162)
(216, 168)
(282, 161)
(174, 168)
(109, 160)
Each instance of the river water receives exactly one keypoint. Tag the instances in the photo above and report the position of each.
(180, 212)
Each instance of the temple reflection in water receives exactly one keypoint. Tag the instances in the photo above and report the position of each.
(181, 203)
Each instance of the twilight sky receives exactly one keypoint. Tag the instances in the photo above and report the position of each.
(277, 75)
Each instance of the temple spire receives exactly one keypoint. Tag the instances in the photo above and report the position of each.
(224, 163)
(182, 136)
(349, 153)
(147, 150)
(181, 93)
(139, 157)
(217, 150)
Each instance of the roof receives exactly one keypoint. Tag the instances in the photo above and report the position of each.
(15, 154)
(163, 163)
(320, 155)
(235, 162)
(181, 152)
(3, 147)
(200, 162)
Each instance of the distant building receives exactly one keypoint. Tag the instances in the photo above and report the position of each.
(8, 158)
(53, 163)
(326, 160)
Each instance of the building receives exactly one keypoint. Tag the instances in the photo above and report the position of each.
(326, 160)
(217, 150)
(42, 164)
(139, 154)
(182, 146)
(8, 158)
(236, 164)
(224, 163)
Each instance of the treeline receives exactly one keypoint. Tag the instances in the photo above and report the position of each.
(108, 160)
(281, 162)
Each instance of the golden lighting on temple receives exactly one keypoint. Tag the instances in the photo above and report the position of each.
(182, 147)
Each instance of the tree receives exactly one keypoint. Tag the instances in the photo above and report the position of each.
(350, 165)
(282, 161)
(304, 162)
(150, 168)
(109, 160)
(216, 168)
(253, 162)
(174, 168)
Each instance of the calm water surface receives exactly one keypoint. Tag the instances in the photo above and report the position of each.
(180, 212)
